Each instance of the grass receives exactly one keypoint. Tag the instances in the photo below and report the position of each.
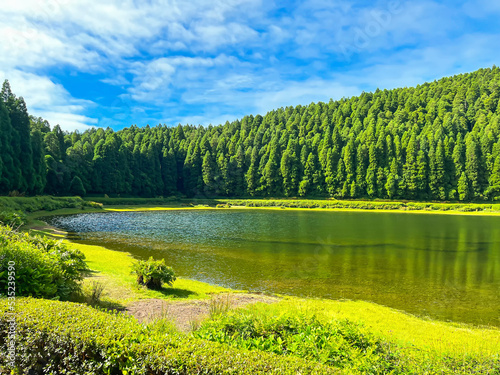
(362, 205)
(411, 344)
(399, 327)
(422, 342)
(113, 269)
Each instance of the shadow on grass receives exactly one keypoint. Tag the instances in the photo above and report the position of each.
(110, 305)
(176, 292)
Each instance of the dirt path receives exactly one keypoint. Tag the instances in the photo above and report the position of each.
(184, 314)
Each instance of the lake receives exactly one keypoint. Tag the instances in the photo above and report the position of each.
(443, 266)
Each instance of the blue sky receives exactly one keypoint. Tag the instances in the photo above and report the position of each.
(81, 63)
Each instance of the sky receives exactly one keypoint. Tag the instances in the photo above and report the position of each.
(115, 63)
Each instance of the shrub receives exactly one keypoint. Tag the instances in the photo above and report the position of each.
(13, 219)
(67, 338)
(44, 267)
(152, 273)
(343, 344)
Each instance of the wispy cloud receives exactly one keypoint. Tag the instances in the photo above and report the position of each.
(198, 61)
(51, 101)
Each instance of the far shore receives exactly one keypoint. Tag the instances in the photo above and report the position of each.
(435, 208)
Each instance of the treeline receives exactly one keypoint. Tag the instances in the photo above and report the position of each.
(22, 154)
(436, 141)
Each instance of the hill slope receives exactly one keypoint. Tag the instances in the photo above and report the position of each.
(437, 141)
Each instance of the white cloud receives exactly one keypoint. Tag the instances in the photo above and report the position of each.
(50, 101)
(69, 121)
(155, 80)
(230, 57)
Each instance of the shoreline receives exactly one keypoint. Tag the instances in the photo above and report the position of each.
(188, 300)
(99, 248)
(144, 208)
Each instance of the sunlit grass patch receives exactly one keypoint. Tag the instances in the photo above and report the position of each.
(397, 341)
(114, 269)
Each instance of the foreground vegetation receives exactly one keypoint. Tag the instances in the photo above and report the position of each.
(357, 337)
(76, 339)
(437, 141)
(291, 336)
(42, 267)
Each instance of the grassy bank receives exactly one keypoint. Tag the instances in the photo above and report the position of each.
(113, 270)
(364, 205)
(294, 335)
(44, 203)
(48, 205)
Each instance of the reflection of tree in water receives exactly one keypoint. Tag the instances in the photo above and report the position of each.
(446, 266)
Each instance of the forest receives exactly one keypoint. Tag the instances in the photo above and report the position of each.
(437, 141)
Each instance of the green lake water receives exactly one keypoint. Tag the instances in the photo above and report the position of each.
(443, 266)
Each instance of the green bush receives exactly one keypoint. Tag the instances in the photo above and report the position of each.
(67, 338)
(44, 267)
(342, 344)
(13, 219)
(152, 273)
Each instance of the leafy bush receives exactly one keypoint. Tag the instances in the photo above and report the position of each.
(341, 344)
(152, 273)
(67, 338)
(13, 219)
(44, 267)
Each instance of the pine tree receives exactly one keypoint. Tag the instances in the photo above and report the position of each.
(271, 172)
(208, 171)
(422, 175)
(472, 166)
(252, 173)
(9, 177)
(410, 168)
(371, 174)
(463, 187)
(391, 186)
(437, 170)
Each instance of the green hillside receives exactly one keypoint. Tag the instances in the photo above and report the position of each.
(437, 141)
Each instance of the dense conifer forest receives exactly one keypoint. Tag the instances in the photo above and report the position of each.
(437, 141)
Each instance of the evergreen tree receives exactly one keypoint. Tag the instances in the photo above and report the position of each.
(439, 140)
(463, 187)
(208, 170)
(76, 187)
